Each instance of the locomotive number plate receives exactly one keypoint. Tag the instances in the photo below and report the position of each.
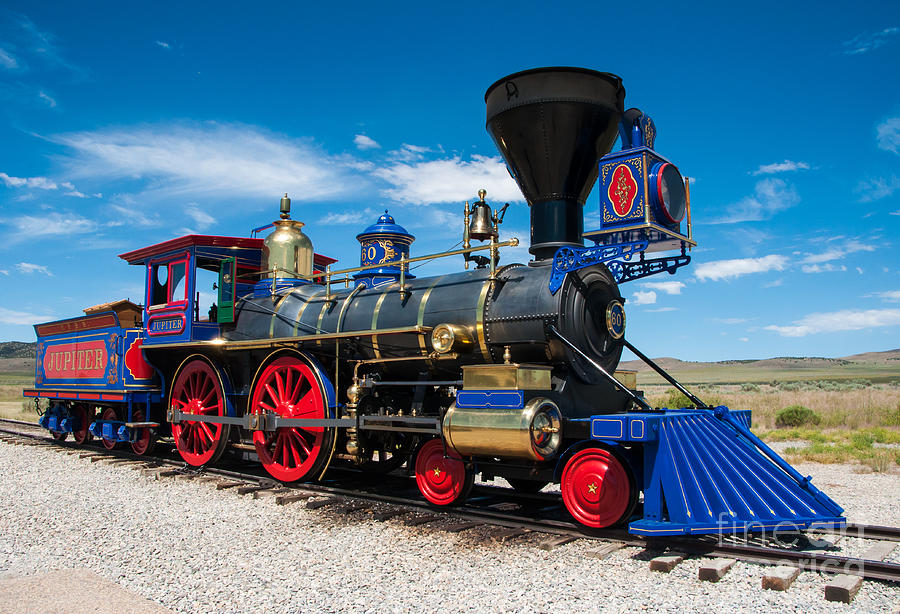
(615, 319)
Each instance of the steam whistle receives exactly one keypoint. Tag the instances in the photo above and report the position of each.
(482, 224)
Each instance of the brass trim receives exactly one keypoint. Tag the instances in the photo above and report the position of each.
(375, 349)
(319, 321)
(291, 341)
(506, 377)
(306, 304)
(275, 315)
(421, 317)
(479, 319)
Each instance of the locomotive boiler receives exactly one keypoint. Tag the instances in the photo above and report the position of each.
(504, 370)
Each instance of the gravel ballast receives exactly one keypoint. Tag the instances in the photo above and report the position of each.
(192, 548)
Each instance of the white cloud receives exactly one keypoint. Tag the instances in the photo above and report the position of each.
(364, 142)
(211, 160)
(836, 253)
(8, 316)
(732, 269)
(868, 41)
(30, 226)
(669, 287)
(449, 180)
(7, 60)
(769, 197)
(202, 219)
(859, 270)
(346, 217)
(837, 321)
(51, 102)
(897, 212)
(889, 135)
(888, 296)
(744, 339)
(164, 44)
(41, 183)
(661, 309)
(4, 272)
(643, 298)
(28, 268)
(877, 188)
(822, 268)
(730, 320)
(408, 153)
(781, 167)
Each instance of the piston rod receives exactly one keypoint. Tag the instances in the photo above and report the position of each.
(700, 404)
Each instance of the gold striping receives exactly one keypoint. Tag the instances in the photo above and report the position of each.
(303, 308)
(319, 321)
(275, 314)
(375, 313)
(421, 318)
(479, 319)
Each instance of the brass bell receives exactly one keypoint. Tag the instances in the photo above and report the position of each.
(481, 226)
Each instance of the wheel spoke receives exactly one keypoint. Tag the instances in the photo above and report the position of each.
(279, 384)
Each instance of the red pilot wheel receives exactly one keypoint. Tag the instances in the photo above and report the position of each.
(109, 414)
(289, 387)
(144, 440)
(596, 488)
(82, 423)
(197, 390)
(443, 480)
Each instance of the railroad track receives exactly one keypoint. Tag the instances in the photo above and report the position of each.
(513, 513)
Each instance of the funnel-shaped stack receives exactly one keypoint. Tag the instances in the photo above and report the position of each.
(552, 125)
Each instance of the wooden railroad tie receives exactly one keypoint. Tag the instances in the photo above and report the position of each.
(418, 520)
(317, 503)
(557, 541)
(666, 563)
(715, 570)
(504, 535)
(222, 485)
(270, 492)
(604, 551)
(247, 489)
(459, 527)
(388, 514)
(285, 499)
(780, 578)
(843, 587)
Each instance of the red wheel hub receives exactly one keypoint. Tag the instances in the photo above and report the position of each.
(197, 390)
(595, 488)
(443, 480)
(288, 387)
(109, 414)
(80, 415)
(143, 438)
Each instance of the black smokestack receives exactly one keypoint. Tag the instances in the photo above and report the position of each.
(552, 125)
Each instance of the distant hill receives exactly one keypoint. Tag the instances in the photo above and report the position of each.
(17, 349)
(876, 366)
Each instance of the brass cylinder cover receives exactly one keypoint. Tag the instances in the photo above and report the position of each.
(533, 432)
(446, 337)
(288, 250)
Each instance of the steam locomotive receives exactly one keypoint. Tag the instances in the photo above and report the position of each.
(505, 371)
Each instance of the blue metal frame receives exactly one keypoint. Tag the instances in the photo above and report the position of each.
(568, 259)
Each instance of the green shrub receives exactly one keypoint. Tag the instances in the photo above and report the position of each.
(796, 415)
(749, 388)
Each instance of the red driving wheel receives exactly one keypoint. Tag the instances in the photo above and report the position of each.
(197, 390)
(443, 480)
(109, 414)
(596, 488)
(82, 418)
(288, 387)
(144, 440)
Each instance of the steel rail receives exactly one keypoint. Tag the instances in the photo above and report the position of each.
(489, 496)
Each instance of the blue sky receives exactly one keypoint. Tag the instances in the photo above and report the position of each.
(124, 124)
